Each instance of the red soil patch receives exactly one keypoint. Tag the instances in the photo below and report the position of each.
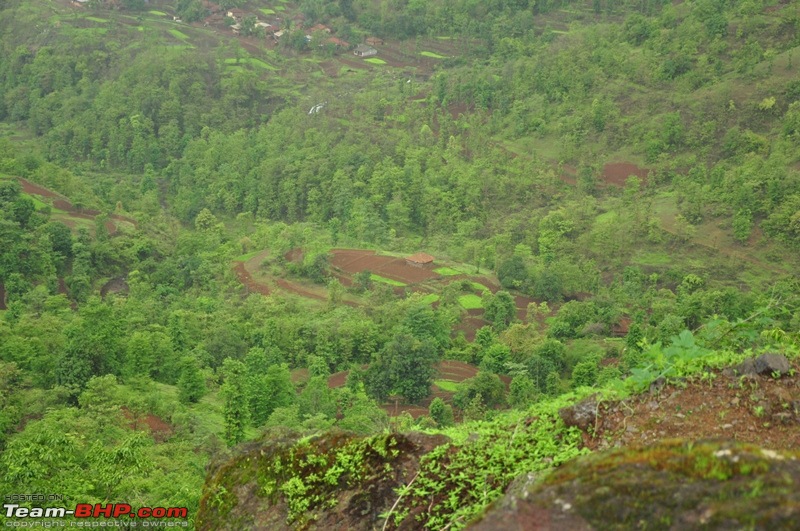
(247, 280)
(457, 109)
(621, 329)
(295, 255)
(352, 63)
(616, 173)
(353, 261)
(338, 379)
(253, 286)
(494, 288)
(471, 325)
(343, 279)
(753, 409)
(755, 236)
(396, 406)
(569, 174)
(330, 68)
(160, 430)
(34, 189)
(115, 285)
(522, 306)
(62, 204)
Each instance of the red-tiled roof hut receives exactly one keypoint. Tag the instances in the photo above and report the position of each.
(420, 260)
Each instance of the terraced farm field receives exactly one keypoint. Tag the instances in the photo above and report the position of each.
(69, 214)
(448, 371)
(352, 261)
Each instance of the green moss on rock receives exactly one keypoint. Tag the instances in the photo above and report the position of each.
(322, 482)
(670, 485)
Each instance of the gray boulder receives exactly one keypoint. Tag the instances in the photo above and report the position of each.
(770, 364)
(582, 414)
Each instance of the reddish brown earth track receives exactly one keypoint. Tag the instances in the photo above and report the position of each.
(297, 289)
(158, 428)
(2, 297)
(61, 203)
(253, 286)
(347, 262)
(247, 280)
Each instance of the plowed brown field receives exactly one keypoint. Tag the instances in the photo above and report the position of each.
(456, 371)
(353, 261)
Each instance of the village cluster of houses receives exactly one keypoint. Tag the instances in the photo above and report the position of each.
(273, 28)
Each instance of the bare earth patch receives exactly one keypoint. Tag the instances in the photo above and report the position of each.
(754, 409)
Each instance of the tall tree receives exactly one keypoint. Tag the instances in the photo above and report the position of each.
(500, 308)
(405, 366)
(191, 384)
(237, 412)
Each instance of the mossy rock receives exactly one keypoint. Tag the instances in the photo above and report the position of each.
(674, 484)
(331, 481)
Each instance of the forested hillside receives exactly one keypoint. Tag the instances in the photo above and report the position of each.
(230, 222)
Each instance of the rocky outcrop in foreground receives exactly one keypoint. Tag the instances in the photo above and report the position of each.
(335, 481)
(669, 485)
(648, 472)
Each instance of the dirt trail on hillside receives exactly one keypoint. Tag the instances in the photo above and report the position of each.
(245, 272)
(62, 203)
(250, 285)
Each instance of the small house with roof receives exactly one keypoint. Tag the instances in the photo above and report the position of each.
(362, 50)
(420, 260)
